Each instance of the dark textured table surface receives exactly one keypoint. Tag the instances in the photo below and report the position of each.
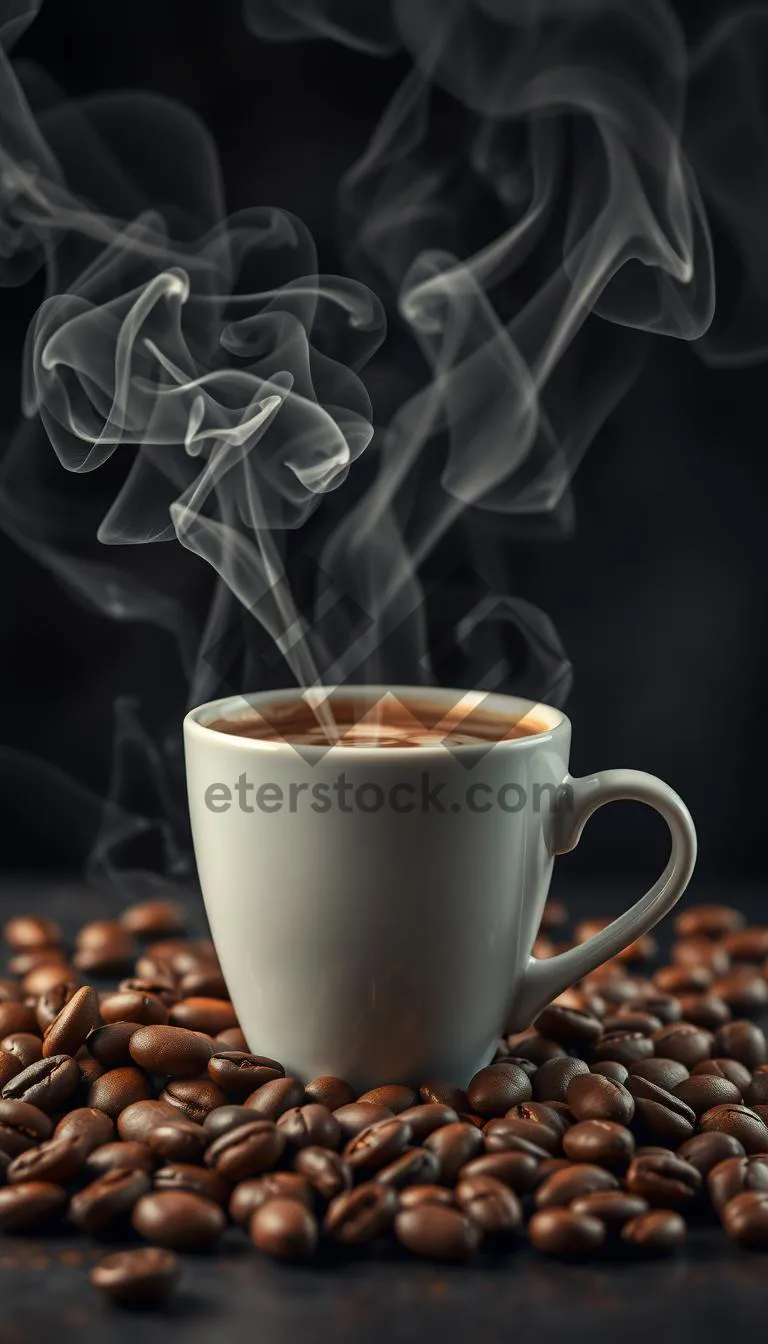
(712, 1289)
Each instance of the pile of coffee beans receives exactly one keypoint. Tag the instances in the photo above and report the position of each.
(635, 1104)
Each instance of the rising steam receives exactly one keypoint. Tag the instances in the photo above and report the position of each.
(533, 202)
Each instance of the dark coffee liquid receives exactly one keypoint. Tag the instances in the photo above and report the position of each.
(385, 724)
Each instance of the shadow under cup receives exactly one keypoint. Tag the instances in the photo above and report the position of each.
(374, 896)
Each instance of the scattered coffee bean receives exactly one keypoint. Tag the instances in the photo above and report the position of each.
(361, 1215)
(57, 1160)
(568, 1026)
(745, 1218)
(708, 920)
(182, 1141)
(494, 1089)
(143, 1277)
(239, 1074)
(329, 1091)
(600, 1141)
(438, 1232)
(110, 1045)
(491, 1205)
(128, 1154)
(424, 1119)
(284, 1229)
(519, 1171)
(666, 1073)
(178, 1220)
(172, 1051)
(663, 1180)
(246, 1151)
(614, 1208)
(704, 1151)
(610, 1068)
(570, 1182)
(70, 1027)
(113, 1091)
(733, 1176)
(394, 1097)
(30, 1205)
(562, 1232)
(731, 1069)
(706, 1090)
(660, 1232)
(249, 1195)
(308, 1126)
(684, 1042)
(743, 1041)
(593, 1097)
(47, 1084)
(326, 1171)
(740, 1121)
(272, 1100)
(108, 1199)
(552, 1080)
(204, 1014)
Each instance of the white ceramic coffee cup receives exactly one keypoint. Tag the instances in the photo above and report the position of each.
(388, 943)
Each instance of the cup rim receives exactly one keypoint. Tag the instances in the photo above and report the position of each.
(197, 722)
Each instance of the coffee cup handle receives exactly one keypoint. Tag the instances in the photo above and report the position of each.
(578, 799)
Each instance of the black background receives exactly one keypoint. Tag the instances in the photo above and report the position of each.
(658, 595)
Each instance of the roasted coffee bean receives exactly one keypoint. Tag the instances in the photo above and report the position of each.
(172, 1051)
(226, 1118)
(50, 1004)
(325, 1171)
(108, 1199)
(568, 1026)
(600, 1141)
(731, 1069)
(683, 979)
(109, 1045)
(743, 989)
(708, 920)
(555, 1117)
(104, 947)
(249, 1195)
(194, 1098)
(47, 1084)
(272, 1100)
(9, 1067)
(182, 955)
(182, 1141)
(143, 1277)
(231, 1039)
(552, 1080)
(490, 1204)
(564, 1233)
(614, 1208)
(159, 986)
(630, 1018)
(735, 1175)
(310, 1126)
(393, 1096)
(22, 1126)
(571, 1181)
(525, 1126)
(131, 1005)
(707, 1090)
(494, 1089)
(757, 1092)
(129, 1155)
(378, 1145)
(56, 1160)
(416, 1166)
(593, 1097)
(438, 1232)
(746, 1219)
(204, 1014)
(660, 1115)
(25, 1047)
(425, 1119)
(414, 1195)
(16, 1017)
(284, 1229)
(136, 1121)
(153, 919)
(747, 944)
(743, 1123)
(705, 1010)
(69, 1028)
(701, 951)
(527, 1065)
(507, 1136)
(329, 1091)
(743, 1041)
(40, 979)
(30, 931)
(444, 1094)
(663, 1179)
(537, 1049)
(239, 1073)
(519, 1171)
(89, 1068)
(705, 1151)
(203, 984)
(659, 1232)
(664, 1006)
(178, 1220)
(247, 1151)
(361, 1215)
(666, 1073)
(455, 1145)
(22, 963)
(610, 1068)
(119, 1088)
(29, 1205)
(626, 1047)
(684, 1042)
(197, 1180)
